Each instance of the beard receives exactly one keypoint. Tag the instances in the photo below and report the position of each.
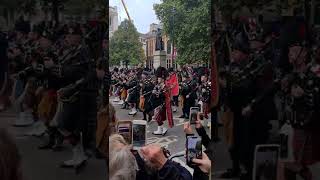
(150, 168)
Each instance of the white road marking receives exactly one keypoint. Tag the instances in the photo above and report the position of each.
(164, 141)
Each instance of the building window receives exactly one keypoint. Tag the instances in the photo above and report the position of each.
(168, 47)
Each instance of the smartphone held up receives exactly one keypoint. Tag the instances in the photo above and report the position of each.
(193, 149)
(193, 114)
(139, 134)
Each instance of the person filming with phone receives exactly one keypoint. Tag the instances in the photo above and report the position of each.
(147, 163)
(201, 166)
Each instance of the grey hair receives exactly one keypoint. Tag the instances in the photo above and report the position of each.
(116, 139)
(122, 165)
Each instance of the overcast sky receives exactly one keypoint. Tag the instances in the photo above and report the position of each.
(140, 11)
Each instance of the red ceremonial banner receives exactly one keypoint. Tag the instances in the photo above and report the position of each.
(168, 109)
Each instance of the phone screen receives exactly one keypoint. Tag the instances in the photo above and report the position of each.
(138, 135)
(125, 132)
(193, 115)
(194, 148)
(266, 162)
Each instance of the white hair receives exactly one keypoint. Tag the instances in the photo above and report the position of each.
(122, 165)
(114, 140)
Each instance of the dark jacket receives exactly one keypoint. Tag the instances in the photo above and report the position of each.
(170, 171)
(208, 144)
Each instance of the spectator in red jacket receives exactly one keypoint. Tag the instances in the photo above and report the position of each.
(173, 84)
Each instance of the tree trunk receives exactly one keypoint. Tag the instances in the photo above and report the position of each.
(55, 12)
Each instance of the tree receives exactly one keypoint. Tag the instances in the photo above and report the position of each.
(55, 6)
(27, 7)
(9, 10)
(125, 45)
(77, 7)
(187, 22)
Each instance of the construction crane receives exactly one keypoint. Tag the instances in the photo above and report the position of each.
(125, 8)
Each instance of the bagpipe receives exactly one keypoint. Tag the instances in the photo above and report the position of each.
(300, 111)
(188, 87)
(70, 93)
(158, 90)
(258, 61)
(37, 69)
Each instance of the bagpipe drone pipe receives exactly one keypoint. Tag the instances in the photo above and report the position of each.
(301, 111)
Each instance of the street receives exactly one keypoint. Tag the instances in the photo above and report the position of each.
(40, 165)
(174, 140)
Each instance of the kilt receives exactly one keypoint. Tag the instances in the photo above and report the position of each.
(47, 106)
(30, 98)
(227, 121)
(123, 94)
(306, 146)
(181, 101)
(68, 118)
(133, 96)
(148, 103)
(160, 114)
(141, 103)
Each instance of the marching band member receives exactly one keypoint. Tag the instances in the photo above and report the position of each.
(162, 102)
(146, 93)
(133, 93)
(303, 87)
(188, 92)
(205, 93)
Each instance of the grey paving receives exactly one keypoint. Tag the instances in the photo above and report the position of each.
(43, 165)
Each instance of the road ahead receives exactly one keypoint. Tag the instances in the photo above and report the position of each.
(44, 165)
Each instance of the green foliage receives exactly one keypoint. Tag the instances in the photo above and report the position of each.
(190, 28)
(125, 45)
(231, 7)
(27, 7)
(79, 6)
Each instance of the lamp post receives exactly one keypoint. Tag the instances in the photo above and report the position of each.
(172, 51)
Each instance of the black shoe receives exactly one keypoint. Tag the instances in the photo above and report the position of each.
(246, 176)
(80, 167)
(182, 116)
(230, 174)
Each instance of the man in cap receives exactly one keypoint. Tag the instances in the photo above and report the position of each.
(189, 95)
(146, 86)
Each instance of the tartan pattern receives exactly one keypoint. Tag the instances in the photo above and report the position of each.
(306, 146)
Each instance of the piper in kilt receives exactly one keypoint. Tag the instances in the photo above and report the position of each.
(303, 86)
(162, 102)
